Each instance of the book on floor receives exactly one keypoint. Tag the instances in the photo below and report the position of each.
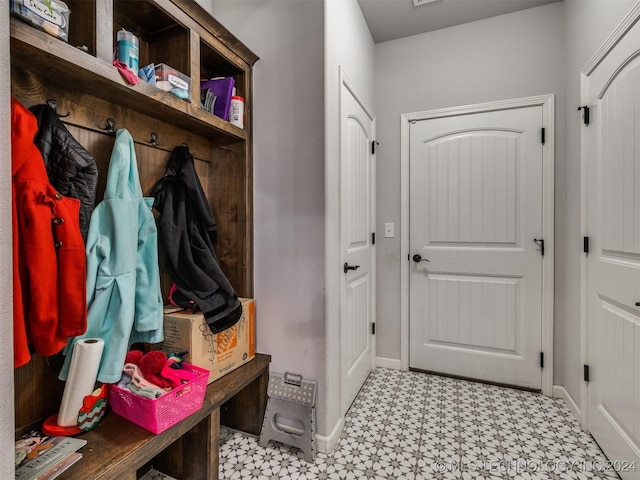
(60, 467)
(36, 454)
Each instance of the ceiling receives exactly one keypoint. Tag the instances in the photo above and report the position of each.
(391, 19)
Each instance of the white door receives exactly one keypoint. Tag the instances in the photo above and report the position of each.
(356, 244)
(613, 262)
(475, 208)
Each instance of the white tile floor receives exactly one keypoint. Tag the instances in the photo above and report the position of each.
(414, 426)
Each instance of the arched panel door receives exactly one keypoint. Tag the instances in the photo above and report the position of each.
(475, 208)
(613, 262)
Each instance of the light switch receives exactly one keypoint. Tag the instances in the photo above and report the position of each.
(388, 230)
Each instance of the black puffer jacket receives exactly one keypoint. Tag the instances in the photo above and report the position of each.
(71, 169)
(186, 232)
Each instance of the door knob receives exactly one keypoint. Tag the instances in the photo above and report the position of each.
(348, 267)
(418, 258)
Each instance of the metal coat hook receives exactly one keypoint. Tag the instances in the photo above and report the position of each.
(110, 126)
(154, 140)
(191, 152)
(54, 106)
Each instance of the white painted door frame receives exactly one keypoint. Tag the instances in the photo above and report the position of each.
(547, 102)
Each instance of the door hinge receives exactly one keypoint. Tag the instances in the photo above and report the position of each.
(373, 329)
(585, 244)
(541, 359)
(586, 114)
(585, 373)
(373, 147)
(542, 135)
(540, 243)
(373, 238)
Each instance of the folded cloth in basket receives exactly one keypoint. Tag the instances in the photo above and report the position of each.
(146, 392)
(139, 384)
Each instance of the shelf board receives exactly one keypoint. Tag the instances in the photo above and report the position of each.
(57, 61)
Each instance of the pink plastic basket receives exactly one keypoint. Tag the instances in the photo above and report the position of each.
(156, 415)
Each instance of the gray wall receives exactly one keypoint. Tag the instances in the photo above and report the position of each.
(6, 305)
(536, 51)
(301, 44)
(511, 56)
(533, 52)
(288, 36)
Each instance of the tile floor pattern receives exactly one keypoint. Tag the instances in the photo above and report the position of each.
(414, 426)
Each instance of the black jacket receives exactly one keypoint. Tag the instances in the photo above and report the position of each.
(186, 232)
(71, 169)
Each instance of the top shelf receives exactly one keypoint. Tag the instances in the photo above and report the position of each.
(188, 40)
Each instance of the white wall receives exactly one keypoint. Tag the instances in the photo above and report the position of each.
(348, 44)
(288, 36)
(588, 23)
(6, 306)
(511, 56)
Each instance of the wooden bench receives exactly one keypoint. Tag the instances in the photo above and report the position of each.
(120, 450)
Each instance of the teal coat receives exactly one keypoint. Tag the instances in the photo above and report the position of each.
(123, 278)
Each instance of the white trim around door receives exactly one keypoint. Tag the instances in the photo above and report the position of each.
(547, 102)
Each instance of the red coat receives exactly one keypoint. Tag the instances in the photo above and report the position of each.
(49, 261)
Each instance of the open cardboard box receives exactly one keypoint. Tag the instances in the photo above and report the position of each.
(219, 353)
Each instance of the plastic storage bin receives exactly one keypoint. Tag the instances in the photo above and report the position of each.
(171, 80)
(53, 18)
(156, 415)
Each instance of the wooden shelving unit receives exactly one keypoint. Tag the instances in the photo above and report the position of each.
(84, 83)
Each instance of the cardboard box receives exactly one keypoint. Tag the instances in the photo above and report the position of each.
(220, 353)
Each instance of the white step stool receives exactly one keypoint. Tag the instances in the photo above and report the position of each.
(290, 417)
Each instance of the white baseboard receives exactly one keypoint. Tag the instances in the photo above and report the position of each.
(326, 443)
(393, 363)
(560, 392)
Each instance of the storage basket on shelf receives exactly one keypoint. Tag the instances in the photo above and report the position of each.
(156, 415)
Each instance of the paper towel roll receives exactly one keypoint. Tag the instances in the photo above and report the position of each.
(81, 379)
